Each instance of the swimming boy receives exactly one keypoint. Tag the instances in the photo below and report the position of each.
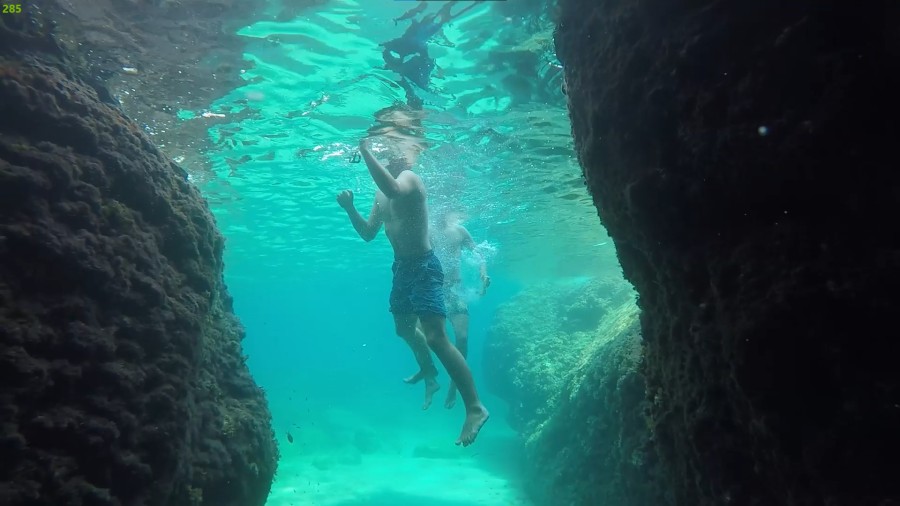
(450, 238)
(417, 293)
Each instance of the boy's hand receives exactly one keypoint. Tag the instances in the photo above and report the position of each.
(345, 199)
(485, 283)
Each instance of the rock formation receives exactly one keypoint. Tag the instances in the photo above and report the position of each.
(567, 359)
(121, 375)
(736, 153)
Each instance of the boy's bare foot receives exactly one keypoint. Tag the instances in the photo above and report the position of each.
(431, 386)
(475, 419)
(451, 397)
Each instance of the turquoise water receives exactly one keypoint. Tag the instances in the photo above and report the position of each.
(313, 295)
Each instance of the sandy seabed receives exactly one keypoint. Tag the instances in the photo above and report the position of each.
(366, 454)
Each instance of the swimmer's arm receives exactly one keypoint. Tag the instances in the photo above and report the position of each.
(469, 244)
(392, 188)
(367, 229)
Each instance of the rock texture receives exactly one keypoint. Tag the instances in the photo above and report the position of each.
(537, 339)
(121, 375)
(567, 359)
(596, 447)
(736, 153)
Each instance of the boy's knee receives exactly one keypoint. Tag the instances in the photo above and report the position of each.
(405, 328)
(434, 339)
(404, 331)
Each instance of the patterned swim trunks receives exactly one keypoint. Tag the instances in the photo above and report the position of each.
(417, 287)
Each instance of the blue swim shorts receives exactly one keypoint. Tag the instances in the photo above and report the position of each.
(418, 286)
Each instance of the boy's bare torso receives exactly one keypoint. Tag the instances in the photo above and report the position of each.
(448, 242)
(406, 221)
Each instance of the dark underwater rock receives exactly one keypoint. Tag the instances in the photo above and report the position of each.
(567, 358)
(121, 375)
(737, 155)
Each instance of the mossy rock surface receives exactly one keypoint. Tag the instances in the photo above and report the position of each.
(740, 156)
(122, 375)
(568, 357)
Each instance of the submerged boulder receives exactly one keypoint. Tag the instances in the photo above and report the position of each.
(595, 447)
(540, 336)
(121, 374)
(736, 153)
(567, 358)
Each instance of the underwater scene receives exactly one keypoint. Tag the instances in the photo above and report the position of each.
(314, 296)
(448, 253)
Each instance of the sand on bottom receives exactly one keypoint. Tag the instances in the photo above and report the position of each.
(358, 456)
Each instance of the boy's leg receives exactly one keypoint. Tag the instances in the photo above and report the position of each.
(476, 414)
(406, 329)
(420, 338)
(460, 324)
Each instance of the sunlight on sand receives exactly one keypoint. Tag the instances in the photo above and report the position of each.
(338, 461)
(390, 480)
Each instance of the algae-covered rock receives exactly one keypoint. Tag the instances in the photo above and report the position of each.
(595, 447)
(121, 375)
(539, 338)
(568, 359)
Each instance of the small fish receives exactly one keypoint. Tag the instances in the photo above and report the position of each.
(290, 438)
(268, 156)
(411, 13)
